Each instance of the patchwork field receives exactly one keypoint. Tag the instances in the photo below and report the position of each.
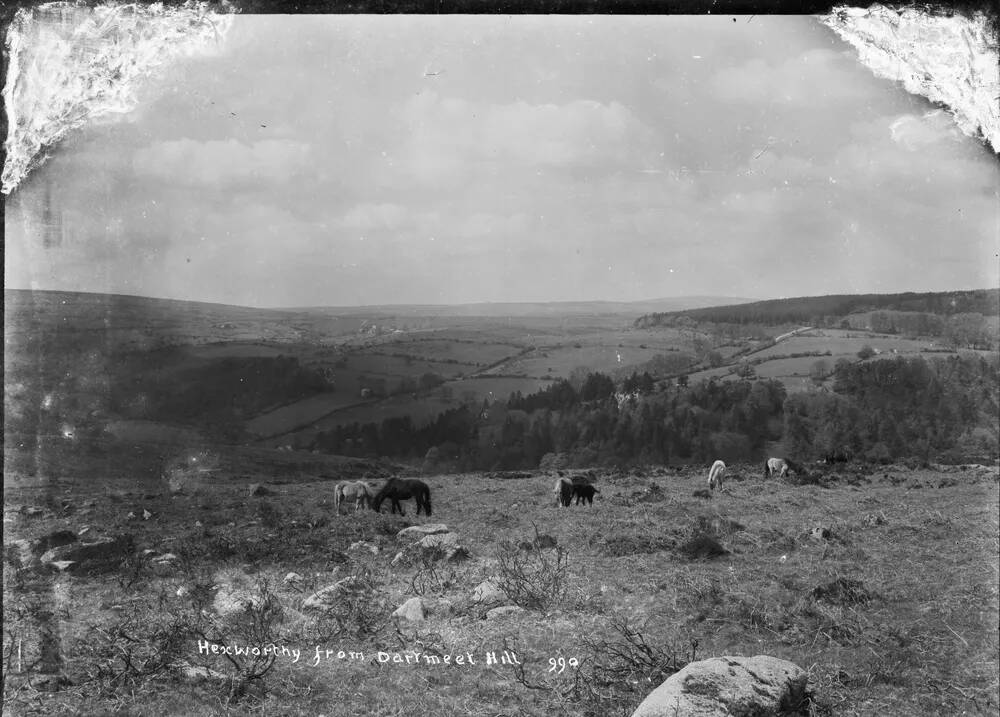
(881, 582)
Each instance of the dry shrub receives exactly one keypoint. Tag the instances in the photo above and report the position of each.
(534, 580)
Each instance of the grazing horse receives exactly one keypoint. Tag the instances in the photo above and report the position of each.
(562, 492)
(358, 491)
(584, 492)
(715, 475)
(781, 466)
(776, 465)
(397, 489)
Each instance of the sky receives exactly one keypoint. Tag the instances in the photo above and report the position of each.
(355, 160)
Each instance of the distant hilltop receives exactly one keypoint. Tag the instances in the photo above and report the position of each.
(823, 309)
(536, 308)
(25, 298)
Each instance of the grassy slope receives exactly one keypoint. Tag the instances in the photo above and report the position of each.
(922, 542)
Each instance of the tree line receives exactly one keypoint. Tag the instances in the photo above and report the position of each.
(878, 411)
(830, 310)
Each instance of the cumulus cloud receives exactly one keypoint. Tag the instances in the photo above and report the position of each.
(221, 163)
(815, 77)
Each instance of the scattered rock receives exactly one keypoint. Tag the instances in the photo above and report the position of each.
(327, 596)
(873, 519)
(488, 591)
(197, 673)
(235, 592)
(33, 511)
(762, 686)
(504, 611)
(363, 546)
(418, 531)
(411, 611)
(183, 591)
(443, 545)
(165, 558)
(130, 516)
(146, 515)
(258, 489)
(702, 493)
(28, 551)
(293, 579)
(99, 556)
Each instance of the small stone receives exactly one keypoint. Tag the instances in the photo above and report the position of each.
(411, 611)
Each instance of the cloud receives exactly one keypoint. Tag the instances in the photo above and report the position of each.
(222, 163)
(447, 134)
(816, 77)
(372, 215)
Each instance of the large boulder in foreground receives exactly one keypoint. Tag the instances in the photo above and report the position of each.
(758, 686)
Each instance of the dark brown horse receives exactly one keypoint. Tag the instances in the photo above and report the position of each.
(584, 492)
(398, 489)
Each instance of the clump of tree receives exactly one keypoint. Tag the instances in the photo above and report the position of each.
(828, 310)
(891, 408)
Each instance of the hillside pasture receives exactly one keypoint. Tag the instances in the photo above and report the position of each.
(302, 413)
(491, 388)
(472, 352)
(237, 349)
(882, 583)
(376, 363)
(843, 343)
(591, 356)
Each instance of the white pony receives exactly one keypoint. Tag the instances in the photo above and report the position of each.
(358, 491)
(775, 465)
(781, 466)
(715, 475)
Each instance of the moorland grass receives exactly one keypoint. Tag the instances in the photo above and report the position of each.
(891, 605)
